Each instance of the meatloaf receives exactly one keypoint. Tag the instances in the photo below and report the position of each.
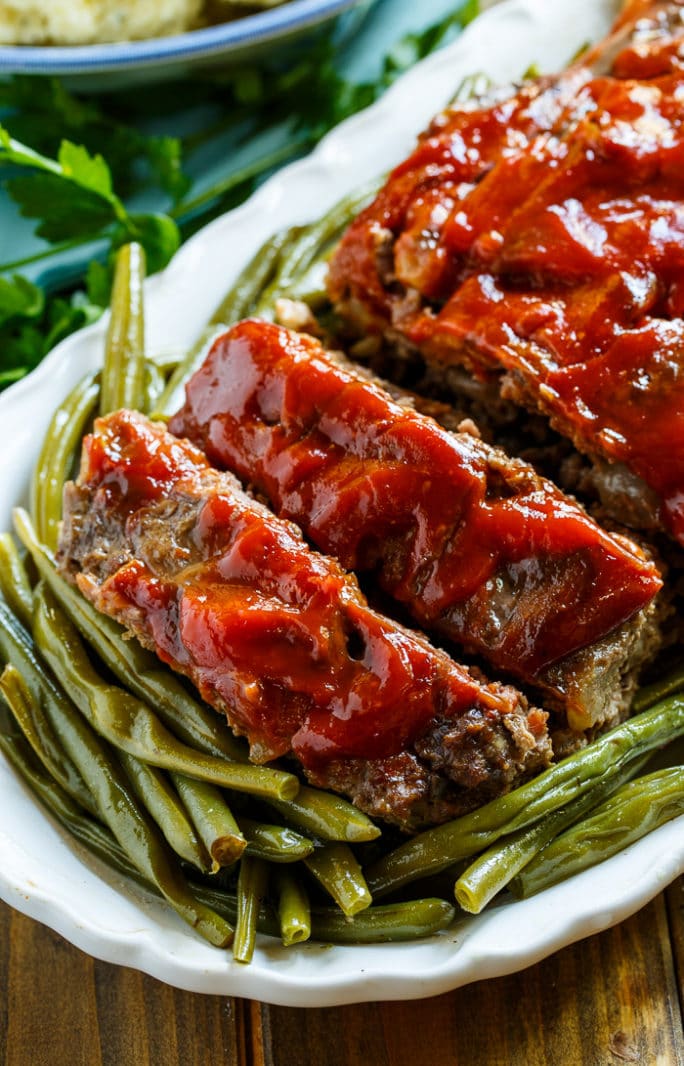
(536, 238)
(280, 638)
(476, 545)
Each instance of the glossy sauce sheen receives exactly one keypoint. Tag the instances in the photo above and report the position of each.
(450, 525)
(275, 634)
(544, 236)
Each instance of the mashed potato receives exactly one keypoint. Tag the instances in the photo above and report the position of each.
(93, 21)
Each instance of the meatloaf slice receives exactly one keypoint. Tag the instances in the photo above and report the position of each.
(280, 638)
(476, 545)
(537, 241)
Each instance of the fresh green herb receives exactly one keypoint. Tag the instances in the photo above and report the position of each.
(31, 324)
(72, 165)
(42, 112)
(73, 200)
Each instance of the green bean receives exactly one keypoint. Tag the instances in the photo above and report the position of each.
(157, 796)
(95, 837)
(225, 903)
(213, 820)
(294, 912)
(14, 582)
(335, 867)
(136, 668)
(252, 881)
(252, 280)
(437, 848)
(28, 715)
(123, 374)
(633, 811)
(130, 724)
(155, 383)
(237, 304)
(379, 924)
(659, 690)
(31, 693)
(326, 816)
(311, 288)
(273, 842)
(314, 238)
(53, 467)
(117, 807)
(493, 870)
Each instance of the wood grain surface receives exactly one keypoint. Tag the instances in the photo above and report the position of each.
(614, 998)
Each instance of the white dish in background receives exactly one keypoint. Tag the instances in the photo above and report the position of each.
(42, 872)
(124, 64)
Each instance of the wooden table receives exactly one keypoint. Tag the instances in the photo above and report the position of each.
(614, 998)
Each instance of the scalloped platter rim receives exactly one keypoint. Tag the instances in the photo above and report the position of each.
(42, 871)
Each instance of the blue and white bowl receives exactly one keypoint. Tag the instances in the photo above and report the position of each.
(124, 64)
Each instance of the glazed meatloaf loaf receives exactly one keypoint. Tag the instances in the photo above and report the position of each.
(535, 238)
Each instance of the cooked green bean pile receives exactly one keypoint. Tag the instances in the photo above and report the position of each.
(149, 779)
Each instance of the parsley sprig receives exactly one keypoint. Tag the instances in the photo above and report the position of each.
(74, 166)
(73, 199)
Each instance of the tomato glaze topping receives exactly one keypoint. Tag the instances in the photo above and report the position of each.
(476, 545)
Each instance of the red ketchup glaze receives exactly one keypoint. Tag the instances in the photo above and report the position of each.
(424, 194)
(274, 633)
(381, 487)
(564, 264)
(646, 41)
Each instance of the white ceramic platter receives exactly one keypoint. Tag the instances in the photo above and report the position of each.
(42, 872)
